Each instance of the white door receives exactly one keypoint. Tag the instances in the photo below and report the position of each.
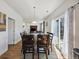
(11, 31)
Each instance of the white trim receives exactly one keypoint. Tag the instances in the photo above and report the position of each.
(58, 53)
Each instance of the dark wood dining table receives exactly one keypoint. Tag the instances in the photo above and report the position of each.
(35, 39)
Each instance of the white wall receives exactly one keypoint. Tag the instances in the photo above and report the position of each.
(18, 22)
(57, 13)
(48, 25)
(65, 40)
(76, 27)
(60, 10)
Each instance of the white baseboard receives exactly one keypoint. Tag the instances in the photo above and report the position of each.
(18, 40)
(58, 53)
(3, 51)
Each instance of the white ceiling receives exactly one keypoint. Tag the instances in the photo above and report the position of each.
(26, 10)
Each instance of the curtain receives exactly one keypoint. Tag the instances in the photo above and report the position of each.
(68, 33)
(76, 26)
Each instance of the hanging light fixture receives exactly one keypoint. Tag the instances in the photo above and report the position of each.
(34, 22)
(34, 11)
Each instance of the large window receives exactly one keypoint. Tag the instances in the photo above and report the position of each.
(61, 28)
(60, 32)
(57, 28)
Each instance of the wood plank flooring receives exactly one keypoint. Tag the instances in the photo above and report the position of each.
(14, 52)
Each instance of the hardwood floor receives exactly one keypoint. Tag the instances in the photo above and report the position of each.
(14, 52)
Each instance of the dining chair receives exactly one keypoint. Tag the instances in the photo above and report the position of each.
(42, 45)
(51, 38)
(28, 45)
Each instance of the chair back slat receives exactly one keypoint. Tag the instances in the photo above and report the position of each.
(27, 39)
(43, 39)
(28, 44)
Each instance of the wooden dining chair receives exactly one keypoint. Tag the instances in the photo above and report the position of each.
(51, 38)
(28, 45)
(42, 42)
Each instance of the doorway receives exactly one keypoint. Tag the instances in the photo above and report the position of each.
(11, 31)
(33, 29)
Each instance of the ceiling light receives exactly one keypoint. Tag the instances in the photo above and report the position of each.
(34, 22)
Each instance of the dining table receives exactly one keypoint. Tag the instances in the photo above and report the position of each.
(35, 39)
